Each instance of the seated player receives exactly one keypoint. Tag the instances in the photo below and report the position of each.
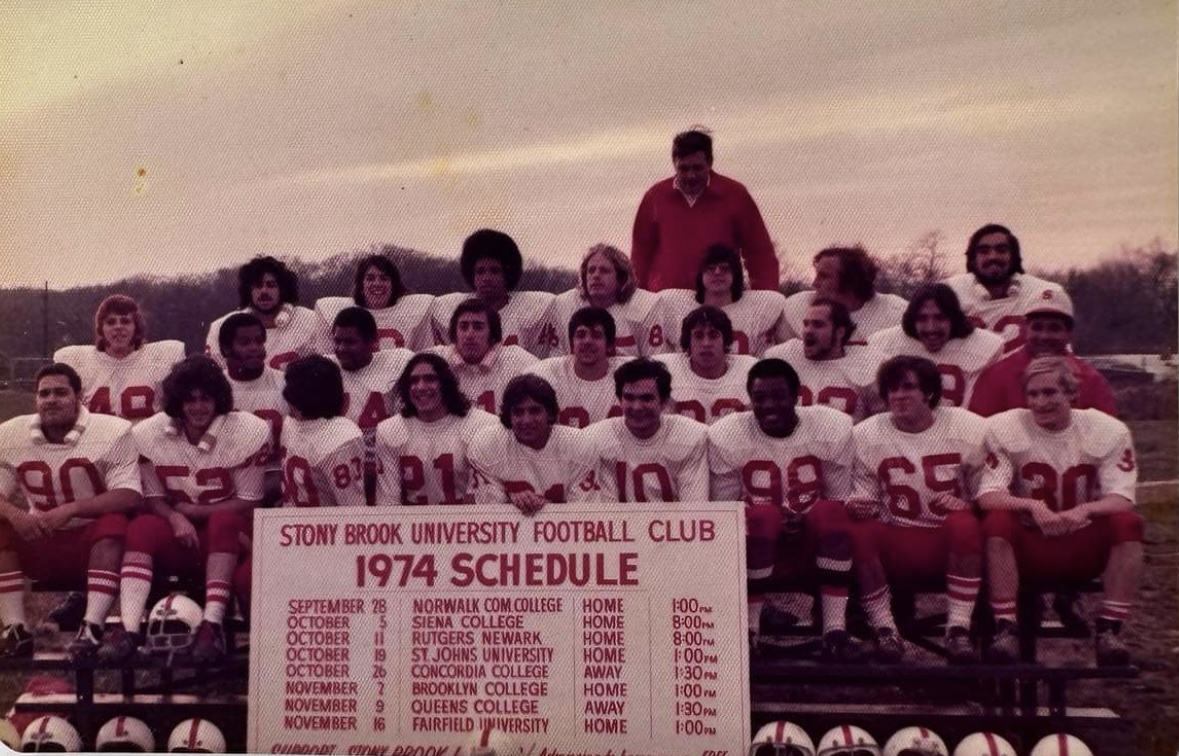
(1058, 490)
(916, 470)
(476, 354)
(829, 373)
(847, 275)
(403, 319)
(607, 280)
(720, 282)
(270, 290)
(792, 468)
(202, 478)
(646, 455)
(583, 380)
(422, 451)
(78, 474)
(935, 327)
(491, 265)
(707, 382)
(531, 461)
(121, 373)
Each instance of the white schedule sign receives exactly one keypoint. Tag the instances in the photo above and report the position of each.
(602, 630)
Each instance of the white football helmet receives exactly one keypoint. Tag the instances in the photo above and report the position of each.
(984, 744)
(781, 739)
(848, 740)
(915, 741)
(125, 735)
(8, 735)
(196, 736)
(51, 734)
(490, 742)
(1061, 744)
(172, 624)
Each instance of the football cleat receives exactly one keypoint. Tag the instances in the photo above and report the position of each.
(196, 736)
(840, 646)
(51, 734)
(1061, 744)
(848, 740)
(119, 645)
(16, 642)
(984, 744)
(1065, 607)
(84, 647)
(781, 739)
(915, 741)
(209, 645)
(890, 649)
(125, 735)
(68, 615)
(1110, 650)
(491, 742)
(959, 646)
(1004, 644)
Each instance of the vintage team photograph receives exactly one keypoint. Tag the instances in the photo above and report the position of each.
(589, 379)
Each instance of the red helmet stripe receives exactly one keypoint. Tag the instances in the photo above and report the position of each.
(120, 729)
(923, 731)
(44, 726)
(847, 736)
(992, 746)
(192, 733)
(1062, 739)
(780, 731)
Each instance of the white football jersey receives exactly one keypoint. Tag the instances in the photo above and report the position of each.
(525, 319)
(960, 361)
(847, 384)
(638, 324)
(102, 459)
(672, 465)
(880, 312)
(565, 470)
(1091, 458)
(301, 334)
(426, 463)
(404, 325)
(322, 463)
(814, 462)
(231, 466)
(706, 400)
(130, 387)
(263, 397)
(906, 471)
(582, 402)
(757, 318)
(370, 393)
(1004, 316)
(483, 383)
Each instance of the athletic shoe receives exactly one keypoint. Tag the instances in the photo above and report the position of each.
(1004, 644)
(959, 646)
(209, 645)
(68, 615)
(16, 642)
(119, 645)
(840, 646)
(890, 649)
(1111, 651)
(84, 647)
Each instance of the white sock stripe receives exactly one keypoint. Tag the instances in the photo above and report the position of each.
(136, 574)
(93, 583)
(964, 582)
(835, 565)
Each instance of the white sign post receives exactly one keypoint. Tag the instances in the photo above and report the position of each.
(588, 629)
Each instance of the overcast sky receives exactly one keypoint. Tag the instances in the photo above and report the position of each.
(180, 137)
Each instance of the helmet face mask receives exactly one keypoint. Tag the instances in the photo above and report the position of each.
(172, 624)
(848, 740)
(781, 738)
(777, 749)
(50, 734)
(915, 741)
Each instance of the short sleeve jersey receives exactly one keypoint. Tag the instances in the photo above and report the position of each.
(302, 334)
(638, 323)
(231, 466)
(525, 319)
(960, 361)
(426, 463)
(1091, 458)
(405, 325)
(880, 312)
(757, 317)
(369, 393)
(707, 400)
(672, 465)
(322, 463)
(565, 470)
(582, 402)
(48, 475)
(1003, 315)
(847, 383)
(130, 387)
(484, 382)
(814, 462)
(263, 397)
(908, 471)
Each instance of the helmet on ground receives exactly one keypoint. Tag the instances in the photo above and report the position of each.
(848, 740)
(125, 735)
(172, 623)
(51, 734)
(915, 741)
(196, 736)
(491, 742)
(984, 744)
(1061, 744)
(781, 738)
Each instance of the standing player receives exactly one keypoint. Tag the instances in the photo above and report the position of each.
(585, 390)
(203, 478)
(78, 475)
(606, 280)
(707, 382)
(422, 452)
(830, 374)
(935, 327)
(403, 319)
(720, 282)
(531, 461)
(1058, 488)
(646, 455)
(847, 275)
(121, 373)
(479, 359)
(270, 290)
(491, 265)
(994, 291)
(916, 472)
(792, 468)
